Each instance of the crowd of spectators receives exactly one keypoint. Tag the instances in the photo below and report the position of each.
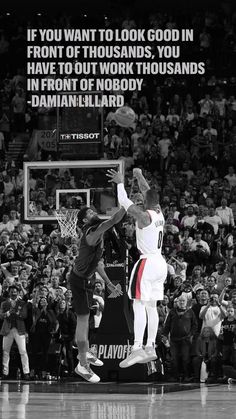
(184, 140)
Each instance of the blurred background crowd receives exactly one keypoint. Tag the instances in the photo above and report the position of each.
(184, 140)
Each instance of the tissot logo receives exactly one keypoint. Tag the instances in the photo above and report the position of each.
(113, 351)
(80, 136)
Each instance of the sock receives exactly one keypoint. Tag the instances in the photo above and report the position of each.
(140, 321)
(153, 322)
(83, 347)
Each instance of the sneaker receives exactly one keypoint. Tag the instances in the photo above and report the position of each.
(85, 372)
(231, 380)
(135, 357)
(150, 355)
(92, 359)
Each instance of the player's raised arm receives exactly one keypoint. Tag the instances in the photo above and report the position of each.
(94, 236)
(142, 217)
(142, 183)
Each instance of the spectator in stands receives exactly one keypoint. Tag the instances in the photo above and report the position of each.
(181, 324)
(185, 236)
(12, 275)
(220, 275)
(163, 311)
(228, 337)
(14, 313)
(6, 225)
(206, 351)
(231, 301)
(210, 285)
(202, 301)
(39, 209)
(206, 105)
(180, 265)
(55, 281)
(213, 219)
(98, 302)
(212, 314)
(43, 324)
(19, 107)
(225, 213)
(8, 186)
(197, 278)
(67, 324)
(190, 219)
(231, 177)
(164, 146)
(199, 248)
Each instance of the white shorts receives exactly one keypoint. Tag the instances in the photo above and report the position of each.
(147, 278)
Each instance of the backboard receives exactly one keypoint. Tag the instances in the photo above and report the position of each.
(51, 185)
(72, 198)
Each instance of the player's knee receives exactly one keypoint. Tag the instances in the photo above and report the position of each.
(151, 304)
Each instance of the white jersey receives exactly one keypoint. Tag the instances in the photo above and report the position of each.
(149, 239)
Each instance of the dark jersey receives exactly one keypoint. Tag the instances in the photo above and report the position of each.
(228, 331)
(89, 256)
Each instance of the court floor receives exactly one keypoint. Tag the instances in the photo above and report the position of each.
(77, 400)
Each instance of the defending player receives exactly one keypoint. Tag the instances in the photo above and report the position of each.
(149, 273)
(81, 282)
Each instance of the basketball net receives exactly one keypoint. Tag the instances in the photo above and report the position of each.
(67, 220)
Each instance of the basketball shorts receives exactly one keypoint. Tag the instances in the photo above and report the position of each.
(82, 294)
(147, 278)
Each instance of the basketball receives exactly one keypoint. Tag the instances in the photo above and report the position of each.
(125, 116)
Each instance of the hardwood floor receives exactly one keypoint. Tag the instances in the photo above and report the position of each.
(78, 400)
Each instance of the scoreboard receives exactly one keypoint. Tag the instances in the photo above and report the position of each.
(80, 132)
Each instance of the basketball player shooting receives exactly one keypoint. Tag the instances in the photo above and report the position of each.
(149, 273)
(82, 279)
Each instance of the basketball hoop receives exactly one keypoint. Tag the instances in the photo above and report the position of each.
(67, 220)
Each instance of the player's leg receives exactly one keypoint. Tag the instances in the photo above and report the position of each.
(81, 337)
(152, 290)
(21, 344)
(153, 323)
(140, 318)
(6, 346)
(140, 322)
(152, 327)
(82, 301)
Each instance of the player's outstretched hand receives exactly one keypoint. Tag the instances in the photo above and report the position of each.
(114, 176)
(115, 290)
